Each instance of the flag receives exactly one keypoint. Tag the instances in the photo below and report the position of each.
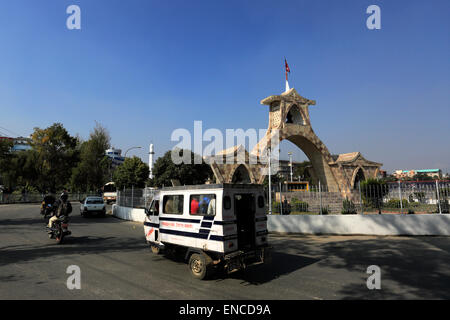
(286, 68)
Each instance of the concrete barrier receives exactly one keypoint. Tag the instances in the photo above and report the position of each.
(126, 213)
(385, 224)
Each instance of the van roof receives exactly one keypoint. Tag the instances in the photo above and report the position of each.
(214, 186)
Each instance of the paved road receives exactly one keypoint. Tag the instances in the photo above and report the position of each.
(116, 263)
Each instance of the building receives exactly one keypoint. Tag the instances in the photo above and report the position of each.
(409, 174)
(116, 156)
(289, 119)
(19, 143)
(382, 174)
(285, 170)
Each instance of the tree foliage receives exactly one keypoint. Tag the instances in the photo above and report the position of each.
(92, 172)
(188, 174)
(133, 172)
(56, 161)
(302, 170)
(5, 162)
(56, 155)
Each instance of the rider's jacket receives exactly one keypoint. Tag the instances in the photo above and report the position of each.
(63, 208)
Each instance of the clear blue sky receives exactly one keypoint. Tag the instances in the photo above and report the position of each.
(144, 68)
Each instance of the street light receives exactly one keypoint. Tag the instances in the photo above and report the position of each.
(131, 149)
(290, 160)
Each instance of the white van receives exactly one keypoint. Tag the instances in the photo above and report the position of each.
(213, 226)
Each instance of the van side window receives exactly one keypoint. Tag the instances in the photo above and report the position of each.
(202, 204)
(173, 204)
(227, 203)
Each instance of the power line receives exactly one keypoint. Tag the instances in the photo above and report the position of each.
(14, 133)
(5, 134)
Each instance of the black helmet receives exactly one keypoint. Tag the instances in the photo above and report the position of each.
(64, 196)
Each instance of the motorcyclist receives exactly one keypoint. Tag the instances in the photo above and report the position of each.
(48, 200)
(62, 207)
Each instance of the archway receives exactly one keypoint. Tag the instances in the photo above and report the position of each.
(302, 169)
(241, 175)
(294, 116)
(357, 177)
(315, 156)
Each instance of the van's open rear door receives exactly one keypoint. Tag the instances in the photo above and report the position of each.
(244, 204)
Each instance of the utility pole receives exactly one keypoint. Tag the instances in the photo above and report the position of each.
(270, 182)
(290, 162)
(320, 198)
(438, 197)
(400, 195)
(151, 153)
(281, 201)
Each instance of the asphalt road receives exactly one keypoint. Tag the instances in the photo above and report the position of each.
(116, 263)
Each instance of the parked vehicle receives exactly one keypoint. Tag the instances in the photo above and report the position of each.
(109, 192)
(59, 229)
(92, 206)
(221, 226)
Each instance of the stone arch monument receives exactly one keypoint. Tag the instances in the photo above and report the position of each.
(289, 119)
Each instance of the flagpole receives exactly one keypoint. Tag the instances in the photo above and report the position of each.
(286, 69)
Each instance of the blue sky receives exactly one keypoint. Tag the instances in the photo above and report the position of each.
(144, 68)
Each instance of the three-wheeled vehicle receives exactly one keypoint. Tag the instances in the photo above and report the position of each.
(213, 226)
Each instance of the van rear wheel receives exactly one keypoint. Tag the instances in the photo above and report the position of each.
(200, 265)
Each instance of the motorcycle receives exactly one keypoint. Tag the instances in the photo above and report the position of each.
(59, 229)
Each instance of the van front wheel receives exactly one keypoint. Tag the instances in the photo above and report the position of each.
(199, 265)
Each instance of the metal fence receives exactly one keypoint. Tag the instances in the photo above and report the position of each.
(406, 197)
(135, 198)
(38, 197)
(396, 197)
(429, 197)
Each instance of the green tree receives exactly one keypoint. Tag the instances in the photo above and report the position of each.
(5, 161)
(303, 170)
(22, 171)
(133, 172)
(274, 180)
(93, 170)
(56, 155)
(17, 169)
(5, 149)
(422, 177)
(188, 174)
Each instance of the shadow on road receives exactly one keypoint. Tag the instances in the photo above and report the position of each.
(70, 246)
(411, 267)
(22, 222)
(282, 264)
